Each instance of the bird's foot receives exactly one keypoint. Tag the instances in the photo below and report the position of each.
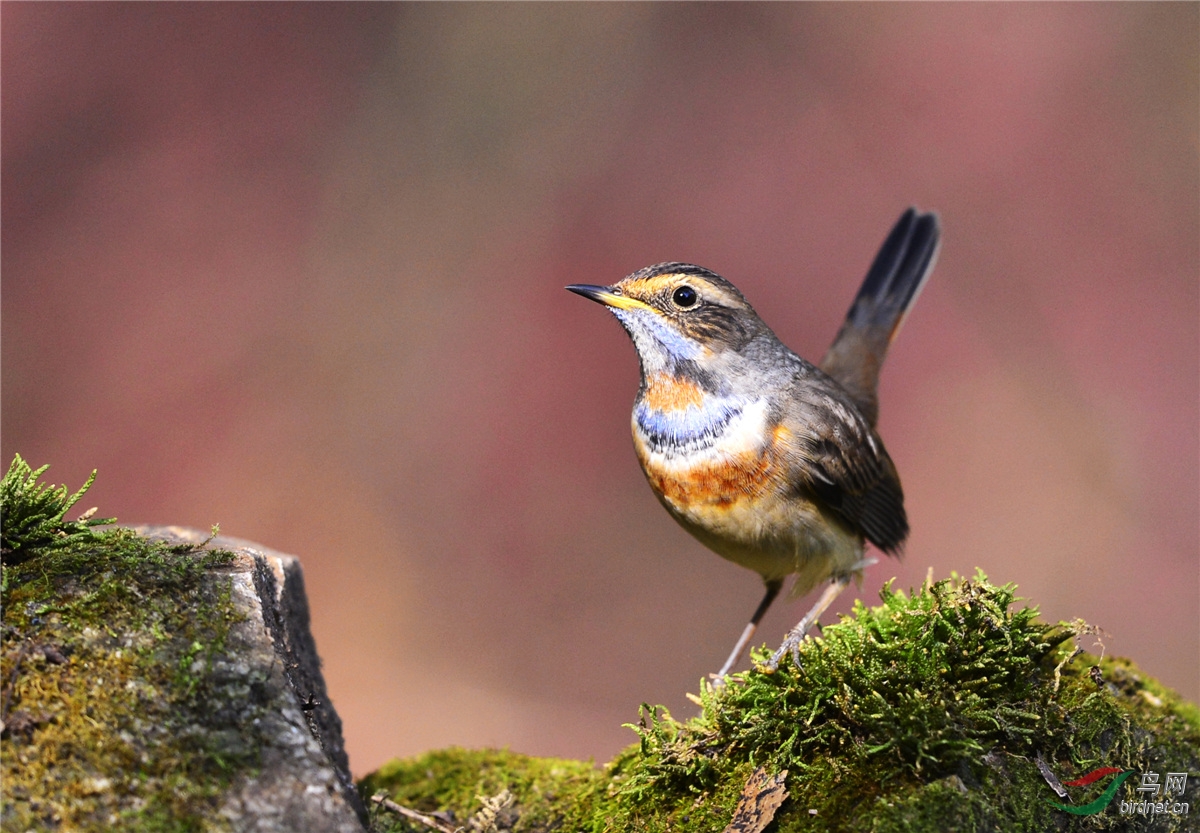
(791, 644)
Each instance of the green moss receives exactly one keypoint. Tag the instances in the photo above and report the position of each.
(548, 793)
(112, 711)
(33, 514)
(927, 712)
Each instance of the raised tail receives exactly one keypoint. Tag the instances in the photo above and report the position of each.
(892, 284)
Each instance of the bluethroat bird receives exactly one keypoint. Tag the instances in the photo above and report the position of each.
(768, 460)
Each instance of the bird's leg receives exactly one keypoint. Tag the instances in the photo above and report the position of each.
(773, 587)
(796, 635)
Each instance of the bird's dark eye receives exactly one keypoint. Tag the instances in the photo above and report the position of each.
(685, 297)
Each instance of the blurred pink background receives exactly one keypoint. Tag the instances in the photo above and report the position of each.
(298, 269)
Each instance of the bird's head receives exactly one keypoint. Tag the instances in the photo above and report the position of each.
(679, 316)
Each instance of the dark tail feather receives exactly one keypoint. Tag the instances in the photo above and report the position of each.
(892, 284)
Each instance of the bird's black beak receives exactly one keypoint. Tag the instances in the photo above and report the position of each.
(605, 295)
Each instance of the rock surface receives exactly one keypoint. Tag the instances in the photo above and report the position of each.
(304, 782)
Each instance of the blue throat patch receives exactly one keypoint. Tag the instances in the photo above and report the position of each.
(690, 429)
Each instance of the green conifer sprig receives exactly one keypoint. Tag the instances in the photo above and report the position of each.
(33, 515)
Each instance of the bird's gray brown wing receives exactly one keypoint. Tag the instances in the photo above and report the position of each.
(843, 464)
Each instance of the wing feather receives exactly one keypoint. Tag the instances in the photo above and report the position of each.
(844, 465)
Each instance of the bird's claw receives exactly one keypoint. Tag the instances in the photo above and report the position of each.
(791, 645)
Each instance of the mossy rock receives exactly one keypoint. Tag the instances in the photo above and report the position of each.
(106, 645)
(950, 708)
(157, 682)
